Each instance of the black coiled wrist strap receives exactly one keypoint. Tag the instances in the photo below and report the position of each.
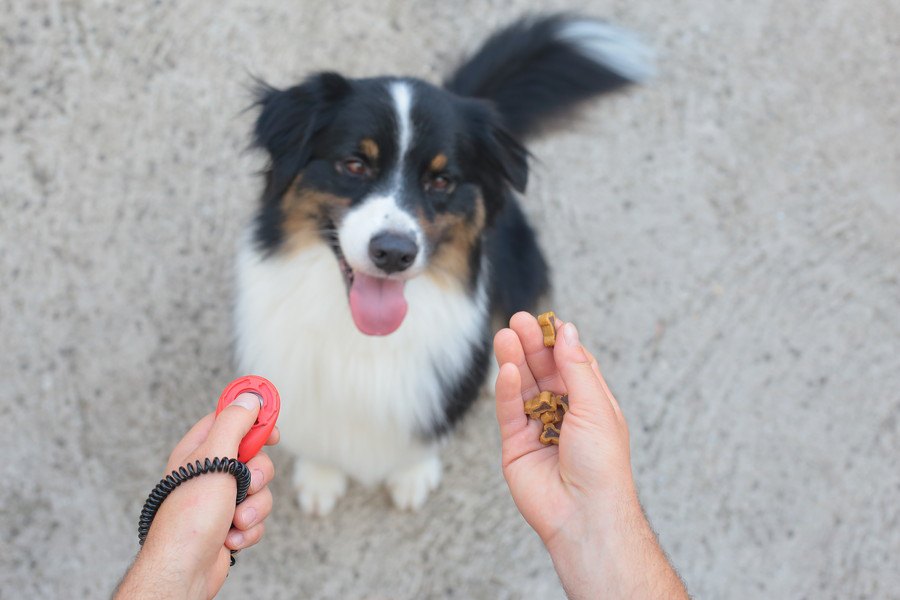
(182, 474)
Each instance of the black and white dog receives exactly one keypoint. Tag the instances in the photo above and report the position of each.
(388, 235)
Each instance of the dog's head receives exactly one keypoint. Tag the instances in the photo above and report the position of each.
(398, 177)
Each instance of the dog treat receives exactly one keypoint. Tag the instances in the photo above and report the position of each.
(542, 403)
(550, 417)
(550, 409)
(548, 328)
(550, 435)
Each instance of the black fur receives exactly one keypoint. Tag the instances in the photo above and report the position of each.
(519, 275)
(462, 393)
(496, 157)
(530, 75)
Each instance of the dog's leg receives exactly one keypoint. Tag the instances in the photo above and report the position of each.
(410, 486)
(319, 487)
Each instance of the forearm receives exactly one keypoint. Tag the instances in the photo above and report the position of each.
(614, 555)
(151, 577)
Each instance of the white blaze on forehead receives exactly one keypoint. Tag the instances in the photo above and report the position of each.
(401, 92)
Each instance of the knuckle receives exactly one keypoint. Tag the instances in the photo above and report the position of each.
(267, 499)
(254, 535)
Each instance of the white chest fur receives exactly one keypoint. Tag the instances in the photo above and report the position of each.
(349, 400)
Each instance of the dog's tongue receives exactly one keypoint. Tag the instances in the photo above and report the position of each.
(377, 304)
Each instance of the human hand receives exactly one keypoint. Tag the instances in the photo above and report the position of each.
(187, 550)
(579, 496)
(558, 487)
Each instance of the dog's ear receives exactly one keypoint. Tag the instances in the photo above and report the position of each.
(511, 157)
(289, 121)
(499, 160)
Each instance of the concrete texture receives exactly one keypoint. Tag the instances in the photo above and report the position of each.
(727, 239)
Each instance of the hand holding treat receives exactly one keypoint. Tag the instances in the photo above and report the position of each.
(579, 495)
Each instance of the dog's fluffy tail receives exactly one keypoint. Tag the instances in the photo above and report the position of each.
(539, 67)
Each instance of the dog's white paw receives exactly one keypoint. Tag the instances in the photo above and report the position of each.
(410, 487)
(319, 487)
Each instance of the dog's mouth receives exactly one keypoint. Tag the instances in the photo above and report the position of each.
(377, 304)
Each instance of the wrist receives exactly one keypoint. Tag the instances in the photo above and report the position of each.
(597, 514)
(605, 548)
(153, 569)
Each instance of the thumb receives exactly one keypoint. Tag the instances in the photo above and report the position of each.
(587, 391)
(232, 424)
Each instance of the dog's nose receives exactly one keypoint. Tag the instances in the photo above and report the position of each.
(392, 252)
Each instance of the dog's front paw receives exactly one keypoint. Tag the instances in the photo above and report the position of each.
(410, 487)
(319, 487)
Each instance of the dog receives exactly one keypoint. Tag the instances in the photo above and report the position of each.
(389, 233)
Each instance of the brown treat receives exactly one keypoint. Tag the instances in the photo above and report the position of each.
(559, 415)
(544, 402)
(550, 435)
(550, 409)
(548, 328)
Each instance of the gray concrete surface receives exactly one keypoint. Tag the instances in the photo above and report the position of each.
(727, 238)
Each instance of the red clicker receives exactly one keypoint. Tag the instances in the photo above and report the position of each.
(268, 412)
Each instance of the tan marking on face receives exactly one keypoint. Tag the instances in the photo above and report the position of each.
(370, 149)
(455, 236)
(304, 210)
(438, 163)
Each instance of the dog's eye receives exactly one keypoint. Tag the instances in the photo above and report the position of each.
(356, 167)
(439, 183)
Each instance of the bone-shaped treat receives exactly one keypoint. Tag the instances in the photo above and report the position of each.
(548, 328)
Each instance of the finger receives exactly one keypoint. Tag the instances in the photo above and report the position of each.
(511, 415)
(595, 367)
(519, 437)
(232, 424)
(618, 410)
(222, 565)
(191, 441)
(253, 510)
(539, 357)
(508, 349)
(274, 437)
(238, 540)
(262, 471)
(588, 394)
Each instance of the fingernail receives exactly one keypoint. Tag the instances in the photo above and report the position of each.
(237, 538)
(249, 515)
(571, 335)
(256, 479)
(248, 400)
